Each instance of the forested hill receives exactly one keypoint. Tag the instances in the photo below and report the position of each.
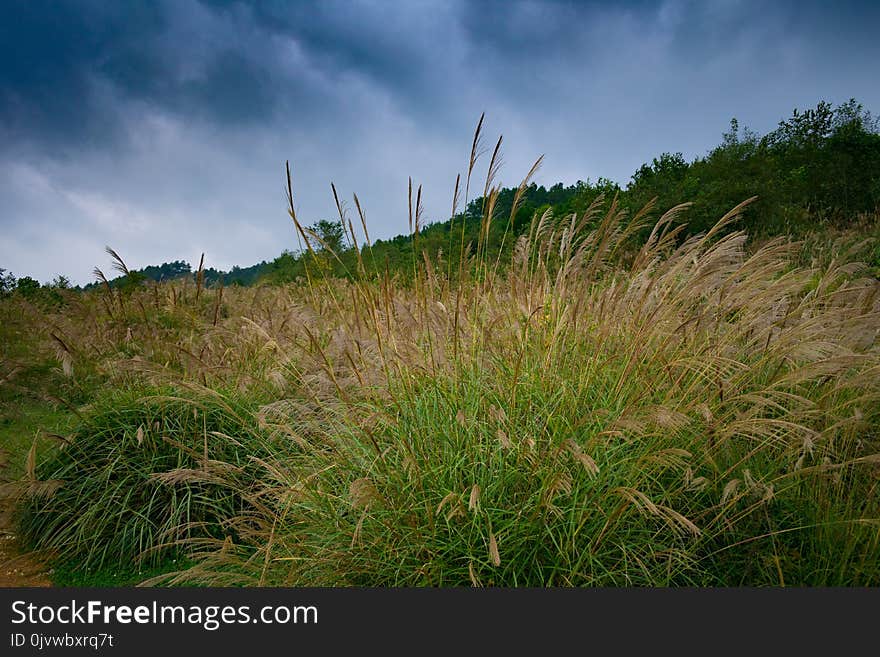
(819, 165)
(179, 268)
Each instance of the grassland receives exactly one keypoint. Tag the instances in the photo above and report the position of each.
(616, 403)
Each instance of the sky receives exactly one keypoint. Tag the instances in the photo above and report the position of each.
(162, 128)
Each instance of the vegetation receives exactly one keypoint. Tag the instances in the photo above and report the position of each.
(148, 463)
(179, 269)
(820, 167)
(580, 393)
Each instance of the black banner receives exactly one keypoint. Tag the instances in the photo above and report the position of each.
(127, 621)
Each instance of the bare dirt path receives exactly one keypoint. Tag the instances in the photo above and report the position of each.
(17, 568)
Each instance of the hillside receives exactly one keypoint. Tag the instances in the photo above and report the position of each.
(557, 387)
(821, 165)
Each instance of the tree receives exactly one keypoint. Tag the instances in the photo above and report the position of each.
(807, 129)
(7, 281)
(851, 115)
(330, 234)
(27, 286)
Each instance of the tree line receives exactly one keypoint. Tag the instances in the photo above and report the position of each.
(820, 165)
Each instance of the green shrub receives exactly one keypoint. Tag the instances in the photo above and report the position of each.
(144, 470)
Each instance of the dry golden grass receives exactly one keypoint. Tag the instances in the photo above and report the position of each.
(597, 410)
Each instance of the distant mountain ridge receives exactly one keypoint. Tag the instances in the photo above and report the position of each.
(820, 165)
(179, 269)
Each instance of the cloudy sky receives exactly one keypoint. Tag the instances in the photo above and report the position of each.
(162, 128)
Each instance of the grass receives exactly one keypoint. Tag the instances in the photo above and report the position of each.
(72, 573)
(139, 476)
(599, 410)
(21, 423)
(560, 454)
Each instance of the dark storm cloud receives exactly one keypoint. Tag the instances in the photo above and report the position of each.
(49, 55)
(61, 63)
(223, 62)
(162, 127)
(398, 46)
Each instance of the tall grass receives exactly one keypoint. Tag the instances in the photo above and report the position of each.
(598, 410)
(144, 471)
(702, 416)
